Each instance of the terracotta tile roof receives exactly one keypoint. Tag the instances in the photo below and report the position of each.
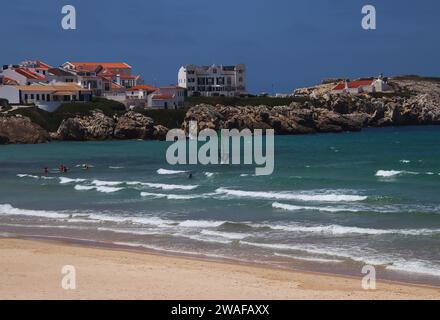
(29, 74)
(127, 76)
(354, 84)
(116, 86)
(110, 65)
(59, 72)
(52, 88)
(142, 87)
(9, 82)
(162, 96)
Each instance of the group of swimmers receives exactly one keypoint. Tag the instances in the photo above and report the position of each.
(63, 169)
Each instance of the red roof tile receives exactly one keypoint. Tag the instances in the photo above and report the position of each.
(162, 96)
(142, 87)
(29, 74)
(110, 65)
(354, 84)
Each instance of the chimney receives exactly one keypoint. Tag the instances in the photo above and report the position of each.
(118, 79)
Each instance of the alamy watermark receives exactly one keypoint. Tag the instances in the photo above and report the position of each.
(369, 20)
(68, 281)
(225, 147)
(68, 22)
(369, 280)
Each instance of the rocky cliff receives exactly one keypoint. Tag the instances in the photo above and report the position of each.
(18, 129)
(412, 103)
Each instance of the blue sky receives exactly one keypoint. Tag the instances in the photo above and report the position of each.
(284, 43)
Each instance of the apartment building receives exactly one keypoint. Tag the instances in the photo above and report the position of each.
(214, 80)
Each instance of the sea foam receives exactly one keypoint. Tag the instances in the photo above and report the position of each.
(324, 197)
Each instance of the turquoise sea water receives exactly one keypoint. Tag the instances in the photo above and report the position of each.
(334, 203)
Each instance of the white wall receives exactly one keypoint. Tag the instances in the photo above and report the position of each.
(10, 93)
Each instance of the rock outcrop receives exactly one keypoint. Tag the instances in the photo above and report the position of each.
(132, 125)
(160, 132)
(97, 126)
(18, 129)
(413, 103)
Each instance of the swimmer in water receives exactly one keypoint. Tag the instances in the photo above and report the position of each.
(46, 170)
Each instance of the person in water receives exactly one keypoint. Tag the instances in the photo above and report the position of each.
(46, 170)
(190, 175)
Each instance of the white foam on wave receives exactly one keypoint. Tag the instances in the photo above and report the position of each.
(289, 207)
(393, 173)
(201, 223)
(171, 196)
(227, 235)
(164, 186)
(106, 183)
(115, 167)
(311, 259)
(387, 173)
(345, 230)
(415, 266)
(103, 189)
(291, 196)
(23, 175)
(405, 161)
(83, 188)
(7, 209)
(209, 174)
(166, 171)
(65, 180)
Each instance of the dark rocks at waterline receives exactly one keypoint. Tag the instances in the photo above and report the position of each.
(19, 129)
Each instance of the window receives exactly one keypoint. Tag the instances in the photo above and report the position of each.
(25, 96)
(48, 97)
(43, 97)
(32, 96)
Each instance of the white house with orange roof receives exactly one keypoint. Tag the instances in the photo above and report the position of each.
(116, 72)
(141, 91)
(45, 97)
(36, 66)
(167, 97)
(21, 75)
(363, 86)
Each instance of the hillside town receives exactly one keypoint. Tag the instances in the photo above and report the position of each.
(34, 82)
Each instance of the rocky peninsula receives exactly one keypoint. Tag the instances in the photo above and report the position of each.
(415, 101)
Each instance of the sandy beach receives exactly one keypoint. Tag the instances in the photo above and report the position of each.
(31, 269)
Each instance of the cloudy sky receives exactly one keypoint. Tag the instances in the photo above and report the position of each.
(285, 44)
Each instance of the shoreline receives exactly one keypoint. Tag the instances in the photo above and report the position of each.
(115, 272)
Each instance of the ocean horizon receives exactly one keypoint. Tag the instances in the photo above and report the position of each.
(334, 203)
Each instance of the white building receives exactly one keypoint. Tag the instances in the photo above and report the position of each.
(22, 75)
(140, 91)
(168, 97)
(45, 97)
(215, 80)
(363, 86)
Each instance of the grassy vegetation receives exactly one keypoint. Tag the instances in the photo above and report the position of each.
(243, 101)
(169, 118)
